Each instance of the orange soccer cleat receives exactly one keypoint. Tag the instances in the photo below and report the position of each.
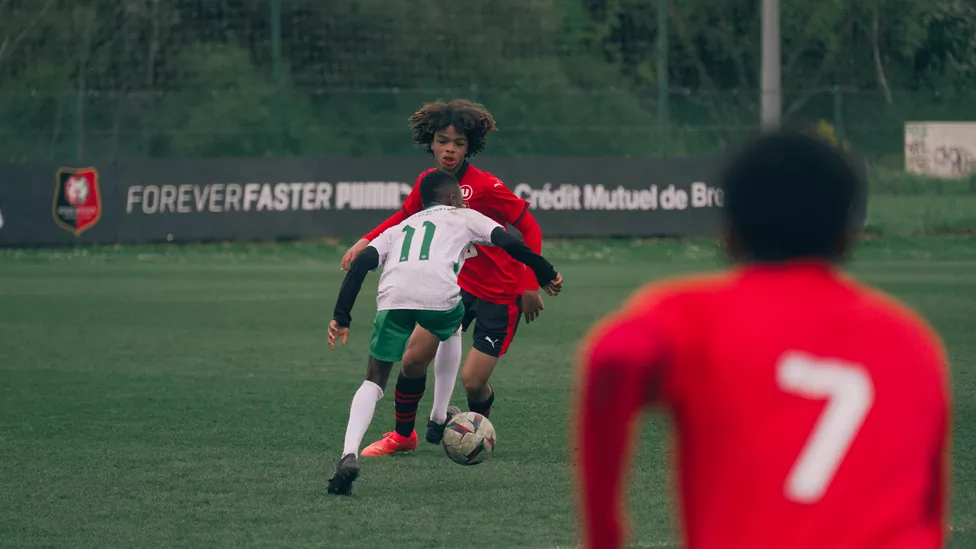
(391, 443)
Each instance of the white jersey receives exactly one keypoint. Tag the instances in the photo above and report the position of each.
(422, 256)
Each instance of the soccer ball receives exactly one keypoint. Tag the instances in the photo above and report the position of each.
(469, 438)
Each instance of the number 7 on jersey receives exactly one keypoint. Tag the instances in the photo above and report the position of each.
(849, 393)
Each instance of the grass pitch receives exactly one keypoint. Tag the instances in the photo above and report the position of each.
(186, 397)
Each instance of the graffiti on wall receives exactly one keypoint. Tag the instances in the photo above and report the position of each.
(940, 149)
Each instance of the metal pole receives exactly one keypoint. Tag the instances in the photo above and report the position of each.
(276, 113)
(662, 76)
(771, 60)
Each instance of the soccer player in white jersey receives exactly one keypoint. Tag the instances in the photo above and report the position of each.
(421, 258)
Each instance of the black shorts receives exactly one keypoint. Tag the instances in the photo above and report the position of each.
(495, 325)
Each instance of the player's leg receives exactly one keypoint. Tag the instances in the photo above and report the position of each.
(360, 416)
(413, 379)
(408, 391)
(447, 363)
(364, 403)
(494, 330)
(444, 326)
(475, 376)
(391, 330)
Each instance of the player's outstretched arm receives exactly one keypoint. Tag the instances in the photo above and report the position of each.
(532, 236)
(366, 261)
(545, 273)
(532, 305)
(611, 390)
(515, 211)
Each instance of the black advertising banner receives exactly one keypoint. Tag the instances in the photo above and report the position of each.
(56, 205)
(196, 200)
(248, 199)
(616, 196)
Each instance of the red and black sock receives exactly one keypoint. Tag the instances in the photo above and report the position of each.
(483, 407)
(406, 400)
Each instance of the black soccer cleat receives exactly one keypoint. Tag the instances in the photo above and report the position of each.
(435, 432)
(345, 473)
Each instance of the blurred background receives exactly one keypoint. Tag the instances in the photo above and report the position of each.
(98, 80)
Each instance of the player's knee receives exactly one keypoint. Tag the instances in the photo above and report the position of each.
(378, 372)
(413, 371)
(477, 371)
(413, 366)
(474, 382)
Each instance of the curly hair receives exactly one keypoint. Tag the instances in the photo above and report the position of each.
(467, 117)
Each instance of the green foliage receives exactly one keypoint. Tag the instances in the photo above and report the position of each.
(895, 181)
(903, 203)
(106, 79)
(227, 110)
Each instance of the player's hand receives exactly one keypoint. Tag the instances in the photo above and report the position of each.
(556, 286)
(351, 253)
(531, 305)
(336, 332)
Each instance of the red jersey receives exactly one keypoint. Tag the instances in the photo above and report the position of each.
(810, 412)
(489, 273)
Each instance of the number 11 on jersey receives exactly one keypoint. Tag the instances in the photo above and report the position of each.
(849, 393)
(429, 229)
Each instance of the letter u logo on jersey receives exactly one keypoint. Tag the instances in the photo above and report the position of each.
(466, 192)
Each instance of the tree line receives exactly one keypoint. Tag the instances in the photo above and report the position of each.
(133, 78)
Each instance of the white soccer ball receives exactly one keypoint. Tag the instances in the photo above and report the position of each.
(469, 438)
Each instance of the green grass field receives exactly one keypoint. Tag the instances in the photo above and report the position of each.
(186, 397)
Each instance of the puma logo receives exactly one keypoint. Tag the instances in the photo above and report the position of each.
(492, 341)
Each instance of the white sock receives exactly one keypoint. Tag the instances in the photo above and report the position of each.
(361, 415)
(447, 362)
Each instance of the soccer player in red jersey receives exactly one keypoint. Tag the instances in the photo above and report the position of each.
(496, 290)
(810, 410)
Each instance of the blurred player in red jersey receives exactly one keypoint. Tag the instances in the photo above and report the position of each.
(496, 290)
(810, 410)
